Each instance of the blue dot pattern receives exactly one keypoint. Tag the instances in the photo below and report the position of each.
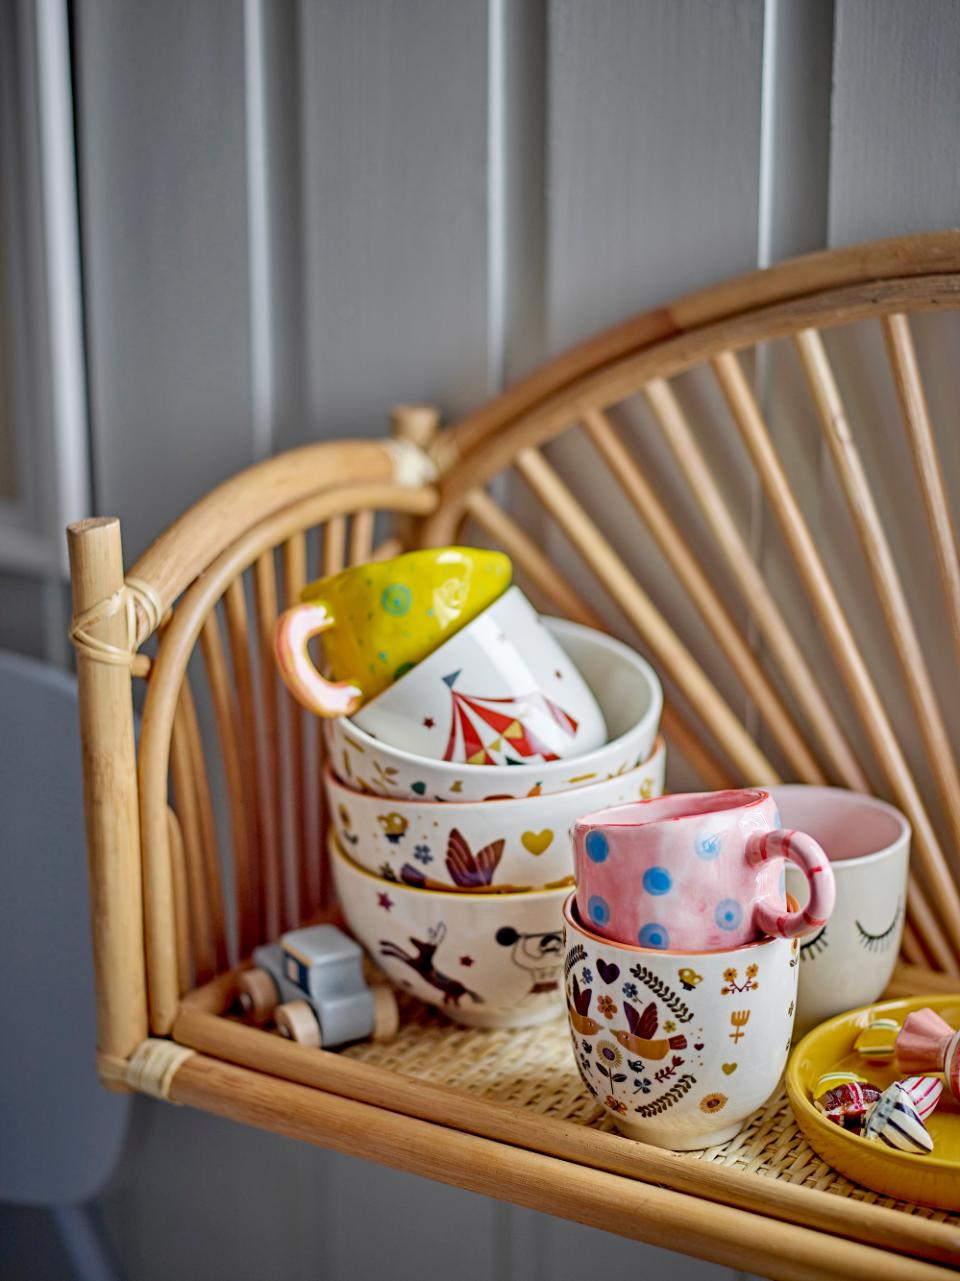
(656, 880)
(729, 914)
(396, 599)
(597, 847)
(708, 847)
(598, 910)
(654, 935)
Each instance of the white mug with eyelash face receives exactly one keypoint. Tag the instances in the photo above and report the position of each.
(849, 961)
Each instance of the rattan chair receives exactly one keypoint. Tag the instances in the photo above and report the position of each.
(208, 837)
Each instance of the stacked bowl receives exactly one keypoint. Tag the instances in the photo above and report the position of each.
(466, 736)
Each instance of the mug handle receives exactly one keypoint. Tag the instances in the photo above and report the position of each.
(294, 629)
(804, 851)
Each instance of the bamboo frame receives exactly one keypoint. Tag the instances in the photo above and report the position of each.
(294, 581)
(361, 1107)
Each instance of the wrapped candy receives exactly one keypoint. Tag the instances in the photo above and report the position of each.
(845, 1098)
(924, 1092)
(927, 1043)
(893, 1120)
(877, 1041)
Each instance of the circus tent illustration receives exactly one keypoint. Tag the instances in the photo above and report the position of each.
(502, 731)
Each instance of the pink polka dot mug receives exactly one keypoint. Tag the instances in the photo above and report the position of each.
(696, 871)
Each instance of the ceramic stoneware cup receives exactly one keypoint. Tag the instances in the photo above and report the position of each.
(379, 620)
(625, 687)
(477, 845)
(697, 870)
(499, 692)
(678, 1047)
(848, 962)
(487, 960)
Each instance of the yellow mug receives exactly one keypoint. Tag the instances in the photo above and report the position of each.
(381, 619)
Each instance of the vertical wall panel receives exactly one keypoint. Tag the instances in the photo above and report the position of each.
(394, 135)
(160, 104)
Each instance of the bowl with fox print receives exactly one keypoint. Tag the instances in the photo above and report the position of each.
(624, 685)
(679, 1048)
(477, 845)
(487, 960)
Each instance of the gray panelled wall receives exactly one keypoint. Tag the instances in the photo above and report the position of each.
(293, 215)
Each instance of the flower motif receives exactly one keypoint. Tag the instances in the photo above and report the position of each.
(730, 975)
(669, 1026)
(422, 854)
(607, 1051)
(630, 991)
(607, 1006)
(752, 970)
(643, 1084)
(615, 1105)
(387, 872)
(713, 1102)
(587, 974)
(635, 1065)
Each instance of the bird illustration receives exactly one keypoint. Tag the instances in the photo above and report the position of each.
(469, 870)
(643, 1027)
(689, 978)
(579, 1015)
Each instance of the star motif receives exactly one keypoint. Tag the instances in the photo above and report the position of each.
(384, 901)
(428, 722)
(466, 961)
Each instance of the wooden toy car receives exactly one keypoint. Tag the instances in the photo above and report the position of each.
(311, 984)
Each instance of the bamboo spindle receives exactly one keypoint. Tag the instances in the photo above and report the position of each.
(208, 831)
(662, 640)
(228, 730)
(191, 851)
(884, 572)
(844, 648)
(110, 796)
(528, 557)
(753, 587)
(238, 638)
(294, 581)
(707, 600)
(386, 550)
(334, 557)
(178, 871)
(361, 537)
(265, 596)
(926, 458)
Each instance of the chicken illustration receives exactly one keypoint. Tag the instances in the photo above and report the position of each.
(394, 826)
(579, 1011)
(643, 1028)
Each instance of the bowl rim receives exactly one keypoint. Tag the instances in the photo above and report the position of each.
(846, 796)
(333, 779)
(337, 852)
(572, 921)
(564, 626)
(752, 796)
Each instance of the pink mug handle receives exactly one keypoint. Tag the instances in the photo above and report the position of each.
(294, 629)
(804, 851)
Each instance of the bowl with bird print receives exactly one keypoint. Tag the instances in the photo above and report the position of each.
(624, 685)
(486, 960)
(679, 1048)
(477, 845)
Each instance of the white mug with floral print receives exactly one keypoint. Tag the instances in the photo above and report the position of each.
(848, 962)
(679, 1047)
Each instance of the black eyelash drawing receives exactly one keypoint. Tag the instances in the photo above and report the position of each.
(879, 942)
(814, 946)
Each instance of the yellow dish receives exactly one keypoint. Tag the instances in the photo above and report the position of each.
(926, 1180)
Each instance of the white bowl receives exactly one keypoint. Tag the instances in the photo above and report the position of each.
(679, 1047)
(470, 845)
(623, 683)
(487, 960)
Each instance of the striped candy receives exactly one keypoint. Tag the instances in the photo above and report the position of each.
(877, 1040)
(846, 1102)
(924, 1092)
(894, 1121)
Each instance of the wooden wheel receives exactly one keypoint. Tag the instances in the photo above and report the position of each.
(256, 996)
(386, 1013)
(297, 1022)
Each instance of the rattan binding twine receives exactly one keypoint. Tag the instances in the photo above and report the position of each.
(134, 592)
(153, 1065)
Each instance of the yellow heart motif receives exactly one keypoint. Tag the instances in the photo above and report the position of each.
(728, 1068)
(537, 842)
